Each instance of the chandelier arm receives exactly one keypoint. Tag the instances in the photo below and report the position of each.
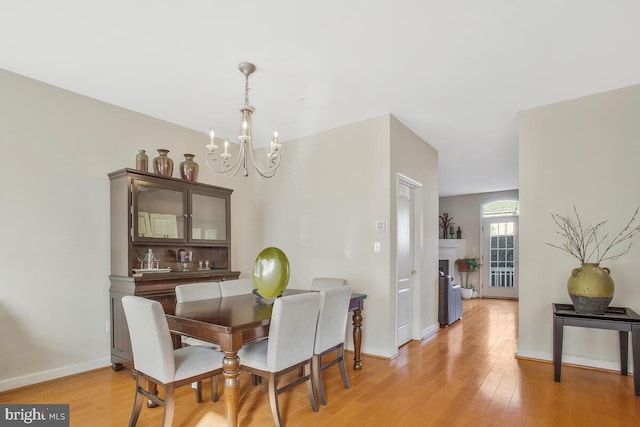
(274, 163)
(227, 168)
(224, 168)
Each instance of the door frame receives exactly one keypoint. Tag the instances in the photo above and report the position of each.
(508, 293)
(417, 250)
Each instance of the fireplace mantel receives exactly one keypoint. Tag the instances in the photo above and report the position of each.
(450, 250)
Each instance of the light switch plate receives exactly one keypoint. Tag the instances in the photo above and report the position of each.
(381, 225)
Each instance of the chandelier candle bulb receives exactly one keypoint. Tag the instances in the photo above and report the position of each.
(212, 145)
(276, 144)
(226, 154)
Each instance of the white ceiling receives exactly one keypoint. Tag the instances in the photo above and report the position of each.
(455, 72)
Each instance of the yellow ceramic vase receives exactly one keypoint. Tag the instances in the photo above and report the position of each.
(590, 288)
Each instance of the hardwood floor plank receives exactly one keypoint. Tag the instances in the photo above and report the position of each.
(465, 375)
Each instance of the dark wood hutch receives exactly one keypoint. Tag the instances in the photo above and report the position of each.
(186, 224)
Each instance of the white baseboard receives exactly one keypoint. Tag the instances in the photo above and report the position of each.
(430, 330)
(380, 353)
(391, 352)
(51, 374)
(609, 365)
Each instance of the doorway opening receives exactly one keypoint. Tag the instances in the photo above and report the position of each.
(500, 249)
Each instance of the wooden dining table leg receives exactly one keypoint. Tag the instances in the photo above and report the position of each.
(231, 371)
(153, 389)
(357, 339)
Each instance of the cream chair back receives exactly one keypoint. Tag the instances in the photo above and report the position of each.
(292, 330)
(332, 319)
(150, 338)
(197, 291)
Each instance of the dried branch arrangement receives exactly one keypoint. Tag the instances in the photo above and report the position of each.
(446, 221)
(587, 245)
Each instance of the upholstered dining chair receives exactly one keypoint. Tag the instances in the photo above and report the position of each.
(290, 346)
(195, 292)
(229, 288)
(329, 338)
(156, 361)
(321, 283)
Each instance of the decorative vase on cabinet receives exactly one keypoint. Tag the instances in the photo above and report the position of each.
(163, 165)
(189, 168)
(142, 161)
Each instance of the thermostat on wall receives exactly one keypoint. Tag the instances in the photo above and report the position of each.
(381, 225)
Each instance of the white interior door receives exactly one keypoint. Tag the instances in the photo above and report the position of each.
(500, 257)
(404, 264)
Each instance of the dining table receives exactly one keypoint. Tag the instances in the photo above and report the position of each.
(231, 322)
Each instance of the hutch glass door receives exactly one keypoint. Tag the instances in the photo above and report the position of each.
(208, 217)
(159, 212)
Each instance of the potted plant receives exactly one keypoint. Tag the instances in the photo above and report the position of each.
(467, 265)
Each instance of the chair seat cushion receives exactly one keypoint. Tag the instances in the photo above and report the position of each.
(194, 360)
(255, 355)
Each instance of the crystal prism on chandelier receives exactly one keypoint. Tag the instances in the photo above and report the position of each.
(220, 163)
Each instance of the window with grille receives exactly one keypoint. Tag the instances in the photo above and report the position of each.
(501, 208)
(502, 253)
(502, 242)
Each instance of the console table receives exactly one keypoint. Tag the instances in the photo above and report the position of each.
(621, 319)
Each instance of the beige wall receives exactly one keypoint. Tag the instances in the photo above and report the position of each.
(582, 152)
(58, 147)
(322, 208)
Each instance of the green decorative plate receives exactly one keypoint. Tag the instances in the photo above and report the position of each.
(271, 272)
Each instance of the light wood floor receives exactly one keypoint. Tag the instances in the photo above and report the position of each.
(465, 375)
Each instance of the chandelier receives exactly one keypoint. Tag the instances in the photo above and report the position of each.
(220, 163)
